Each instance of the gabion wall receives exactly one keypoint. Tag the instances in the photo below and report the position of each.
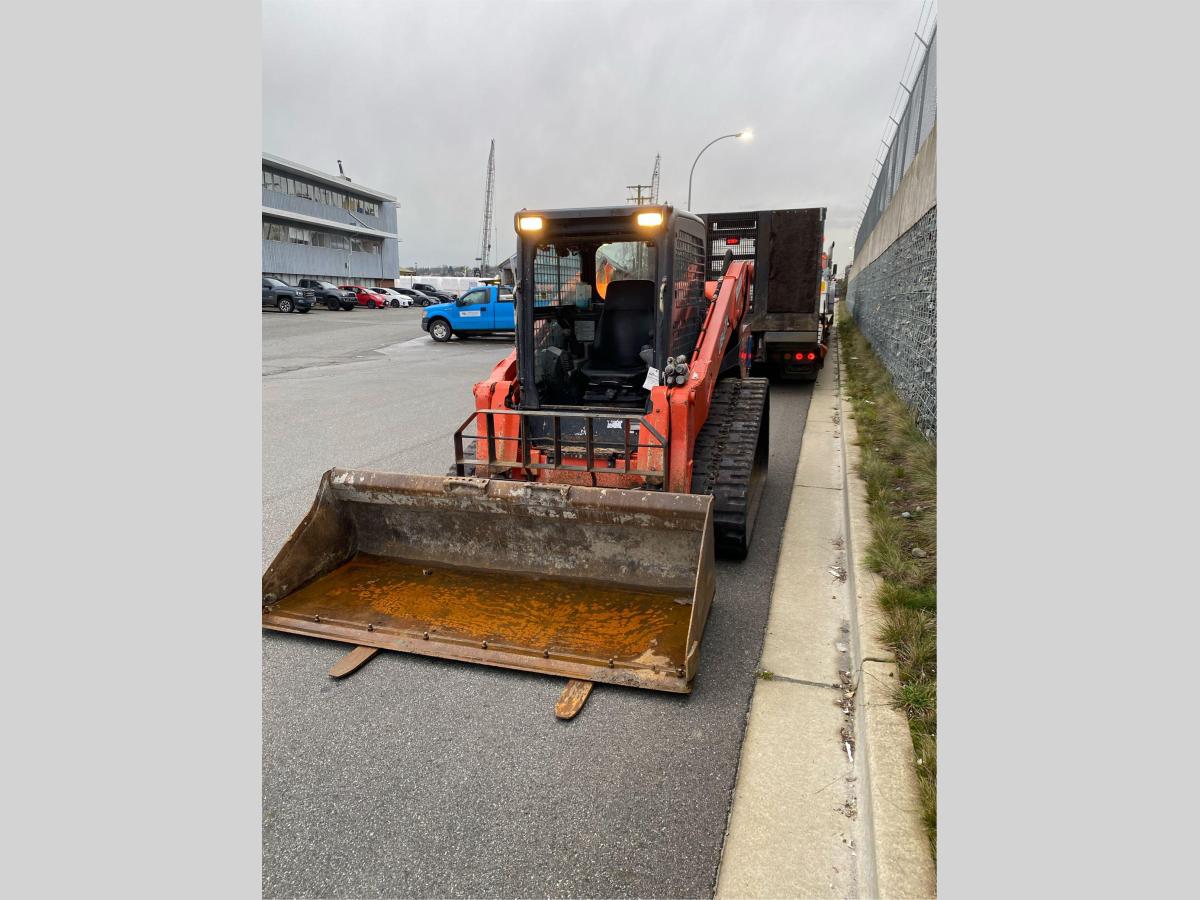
(894, 302)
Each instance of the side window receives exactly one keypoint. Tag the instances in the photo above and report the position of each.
(475, 296)
(688, 303)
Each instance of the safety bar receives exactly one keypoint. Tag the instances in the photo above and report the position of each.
(553, 446)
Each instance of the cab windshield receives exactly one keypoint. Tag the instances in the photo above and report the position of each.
(579, 275)
(624, 261)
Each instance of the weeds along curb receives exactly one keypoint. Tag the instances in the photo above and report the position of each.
(901, 860)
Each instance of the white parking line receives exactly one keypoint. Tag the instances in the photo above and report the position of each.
(400, 347)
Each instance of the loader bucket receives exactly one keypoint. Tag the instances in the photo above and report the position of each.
(596, 584)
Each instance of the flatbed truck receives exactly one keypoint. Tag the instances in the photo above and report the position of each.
(788, 318)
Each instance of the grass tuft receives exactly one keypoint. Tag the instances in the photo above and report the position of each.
(901, 596)
(899, 467)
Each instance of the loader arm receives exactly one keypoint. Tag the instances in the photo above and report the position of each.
(689, 404)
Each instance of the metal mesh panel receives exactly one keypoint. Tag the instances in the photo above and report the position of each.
(726, 228)
(688, 303)
(554, 277)
(742, 232)
(915, 124)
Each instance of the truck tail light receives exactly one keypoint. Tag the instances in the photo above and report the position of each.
(812, 356)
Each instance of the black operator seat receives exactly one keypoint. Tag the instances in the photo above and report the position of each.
(626, 325)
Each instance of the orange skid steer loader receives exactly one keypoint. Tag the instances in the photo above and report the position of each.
(610, 456)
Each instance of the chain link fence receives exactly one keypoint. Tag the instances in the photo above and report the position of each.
(915, 125)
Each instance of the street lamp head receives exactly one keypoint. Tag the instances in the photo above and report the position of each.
(745, 134)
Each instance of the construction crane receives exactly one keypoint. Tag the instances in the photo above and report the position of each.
(485, 241)
(654, 178)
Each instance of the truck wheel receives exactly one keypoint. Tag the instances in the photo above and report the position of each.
(285, 305)
(440, 330)
(332, 305)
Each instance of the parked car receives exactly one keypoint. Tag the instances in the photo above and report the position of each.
(394, 298)
(417, 297)
(430, 291)
(332, 296)
(365, 296)
(481, 310)
(285, 297)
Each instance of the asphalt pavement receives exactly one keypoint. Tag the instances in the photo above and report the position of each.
(419, 777)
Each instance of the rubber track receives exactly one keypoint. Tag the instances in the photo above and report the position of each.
(723, 458)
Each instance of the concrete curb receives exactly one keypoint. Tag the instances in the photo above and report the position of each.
(794, 828)
(806, 820)
(896, 861)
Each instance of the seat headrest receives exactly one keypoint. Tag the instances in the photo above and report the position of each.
(630, 295)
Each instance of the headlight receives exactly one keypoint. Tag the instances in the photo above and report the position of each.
(529, 223)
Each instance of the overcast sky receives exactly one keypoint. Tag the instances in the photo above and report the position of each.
(580, 96)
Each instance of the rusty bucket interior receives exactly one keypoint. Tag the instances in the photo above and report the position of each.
(590, 583)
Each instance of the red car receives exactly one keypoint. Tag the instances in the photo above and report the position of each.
(366, 296)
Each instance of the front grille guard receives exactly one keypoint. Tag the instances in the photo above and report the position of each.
(614, 458)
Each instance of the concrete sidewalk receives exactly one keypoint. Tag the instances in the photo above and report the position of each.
(824, 806)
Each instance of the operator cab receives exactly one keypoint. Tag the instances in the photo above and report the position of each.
(604, 297)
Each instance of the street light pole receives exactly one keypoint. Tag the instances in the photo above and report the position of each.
(745, 135)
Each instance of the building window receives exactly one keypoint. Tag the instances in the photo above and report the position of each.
(298, 187)
(332, 240)
(364, 245)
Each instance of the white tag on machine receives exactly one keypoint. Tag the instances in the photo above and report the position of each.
(652, 378)
(585, 330)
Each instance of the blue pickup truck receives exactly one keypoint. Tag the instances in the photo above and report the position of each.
(486, 309)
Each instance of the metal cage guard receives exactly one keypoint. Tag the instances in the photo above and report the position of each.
(555, 443)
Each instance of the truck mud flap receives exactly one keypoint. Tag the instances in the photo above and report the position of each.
(588, 583)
